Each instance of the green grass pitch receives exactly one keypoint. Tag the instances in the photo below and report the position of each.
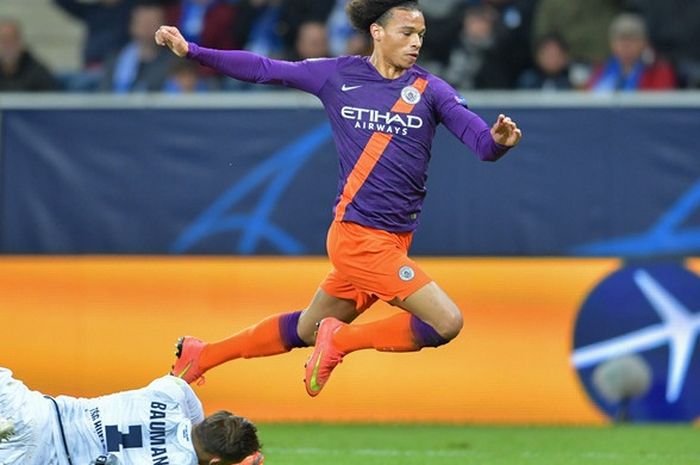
(307, 444)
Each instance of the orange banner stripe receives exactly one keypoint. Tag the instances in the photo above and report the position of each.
(371, 154)
(512, 364)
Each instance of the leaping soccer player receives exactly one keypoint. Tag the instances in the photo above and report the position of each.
(162, 423)
(384, 110)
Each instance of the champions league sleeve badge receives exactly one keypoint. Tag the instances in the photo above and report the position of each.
(461, 101)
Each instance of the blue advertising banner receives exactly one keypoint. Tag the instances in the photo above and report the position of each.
(600, 181)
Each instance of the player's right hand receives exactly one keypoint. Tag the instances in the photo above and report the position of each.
(171, 37)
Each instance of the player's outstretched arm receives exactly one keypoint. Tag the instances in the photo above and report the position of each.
(308, 75)
(170, 36)
(506, 132)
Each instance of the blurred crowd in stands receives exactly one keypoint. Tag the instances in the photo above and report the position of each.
(593, 45)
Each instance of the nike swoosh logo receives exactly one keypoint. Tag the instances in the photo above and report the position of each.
(184, 372)
(314, 374)
(347, 88)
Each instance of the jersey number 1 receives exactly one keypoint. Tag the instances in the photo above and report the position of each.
(116, 439)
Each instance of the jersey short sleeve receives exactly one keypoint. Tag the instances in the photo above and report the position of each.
(179, 391)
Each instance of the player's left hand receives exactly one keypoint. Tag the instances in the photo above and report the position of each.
(506, 132)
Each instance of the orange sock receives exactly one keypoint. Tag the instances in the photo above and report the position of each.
(393, 334)
(274, 335)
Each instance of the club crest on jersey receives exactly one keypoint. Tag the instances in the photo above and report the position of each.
(410, 95)
(406, 273)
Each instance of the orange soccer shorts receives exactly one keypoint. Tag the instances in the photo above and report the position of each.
(370, 264)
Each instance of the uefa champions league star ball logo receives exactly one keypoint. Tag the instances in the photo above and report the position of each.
(652, 312)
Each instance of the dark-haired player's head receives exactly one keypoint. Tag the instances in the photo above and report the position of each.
(224, 438)
(396, 27)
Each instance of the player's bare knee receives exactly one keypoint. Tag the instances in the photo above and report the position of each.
(307, 333)
(308, 338)
(450, 325)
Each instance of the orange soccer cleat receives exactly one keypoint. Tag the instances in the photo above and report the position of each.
(254, 459)
(324, 358)
(189, 350)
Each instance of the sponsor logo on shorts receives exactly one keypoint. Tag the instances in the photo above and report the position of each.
(406, 273)
(410, 95)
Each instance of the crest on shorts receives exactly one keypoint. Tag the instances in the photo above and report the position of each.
(406, 273)
(410, 95)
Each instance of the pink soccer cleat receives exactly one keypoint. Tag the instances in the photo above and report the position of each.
(189, 349)
(324, 358)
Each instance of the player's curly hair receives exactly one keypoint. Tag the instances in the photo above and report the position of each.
(231, 437)
(364, 13)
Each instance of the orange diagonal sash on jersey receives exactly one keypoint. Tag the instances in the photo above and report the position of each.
(371, 154)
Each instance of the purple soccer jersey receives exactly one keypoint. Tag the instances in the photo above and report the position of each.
(383, 129)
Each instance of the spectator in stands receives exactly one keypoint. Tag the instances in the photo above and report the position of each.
(206, 22)
(466, 68)
(511, 54)
(359, 44)
(343, 39)
(632, 65)
(552, 69)
(294, 14)
(19, 70)
(444, 19)
(583, 24)
(340, 31)
(257, 27)
(674, 31)
(107, 23)
(184, 78)
(209, 23)
(141, 65)
(312, 41)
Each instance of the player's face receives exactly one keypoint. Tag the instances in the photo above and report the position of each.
(401, 38)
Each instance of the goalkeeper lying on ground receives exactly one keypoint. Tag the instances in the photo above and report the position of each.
(162, 423)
